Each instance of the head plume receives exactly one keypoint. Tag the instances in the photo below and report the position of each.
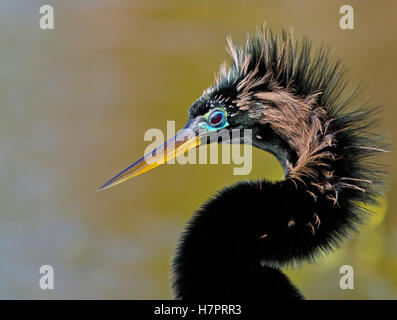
(298, 91)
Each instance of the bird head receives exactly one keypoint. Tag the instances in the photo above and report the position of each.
(208, 117)
(264, 90)
(290, 97)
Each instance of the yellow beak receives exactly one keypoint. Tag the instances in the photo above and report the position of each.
(186, 139)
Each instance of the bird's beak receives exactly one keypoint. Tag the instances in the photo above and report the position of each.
(187, 138)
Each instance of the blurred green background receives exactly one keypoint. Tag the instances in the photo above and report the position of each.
(76, 102)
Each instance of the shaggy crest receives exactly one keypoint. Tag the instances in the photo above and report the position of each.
(281, 81)
(292, 98)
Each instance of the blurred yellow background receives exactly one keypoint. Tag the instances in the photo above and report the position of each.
(76, 102)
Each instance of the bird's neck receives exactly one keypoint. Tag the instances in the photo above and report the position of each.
(264, 138)
(233, 245)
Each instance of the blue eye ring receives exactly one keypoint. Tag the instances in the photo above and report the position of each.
(217, 118)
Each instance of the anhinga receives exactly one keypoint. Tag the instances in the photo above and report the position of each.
(291, 97)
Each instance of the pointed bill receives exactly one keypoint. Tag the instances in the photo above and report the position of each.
(186, 139)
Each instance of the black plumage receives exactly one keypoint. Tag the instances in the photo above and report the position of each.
(292, 98)
(235, 244)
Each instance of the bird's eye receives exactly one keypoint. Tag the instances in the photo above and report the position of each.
(217, 119)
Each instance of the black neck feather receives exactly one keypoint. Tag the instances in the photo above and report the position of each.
(235, 244)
